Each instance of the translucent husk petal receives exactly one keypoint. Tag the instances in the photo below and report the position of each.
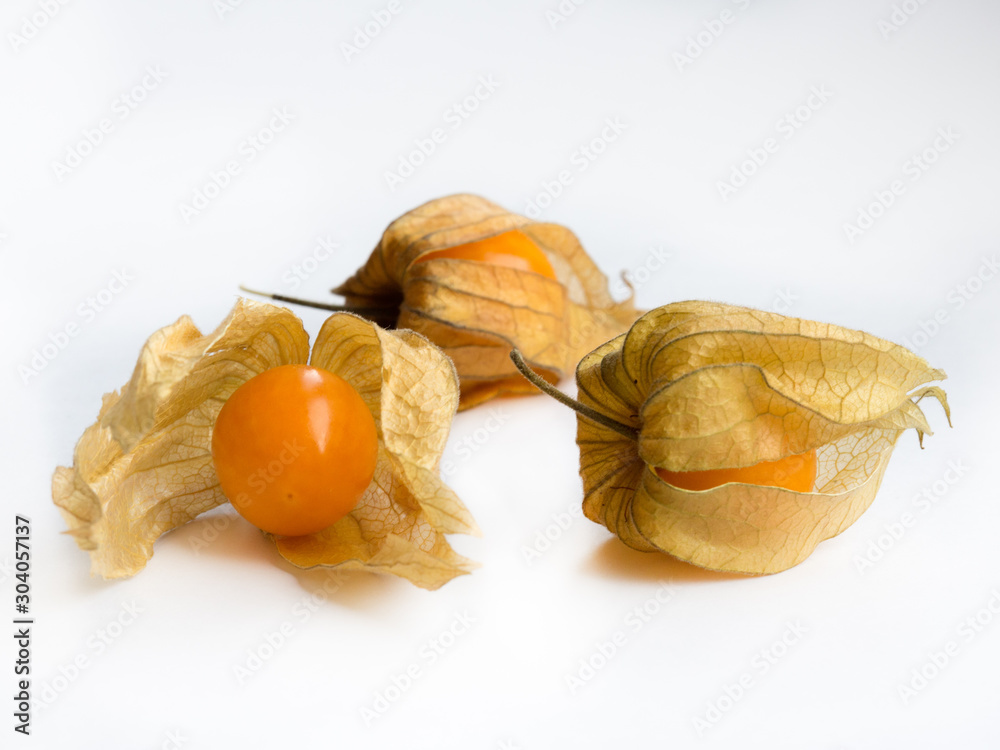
(122, 494)
(145, 466)
(400, 522)
(478, 312)
(711, 386)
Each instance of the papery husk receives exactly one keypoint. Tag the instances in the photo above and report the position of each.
(477, 312)
(145, 466)
(398, 527)
(711, 386)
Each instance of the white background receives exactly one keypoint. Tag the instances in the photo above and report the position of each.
(778, 243)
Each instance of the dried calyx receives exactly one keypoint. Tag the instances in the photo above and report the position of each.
(738, 439)
(478, 280)
(145, 467)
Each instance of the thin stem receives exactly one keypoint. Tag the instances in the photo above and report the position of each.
(365, 312)
(550, 390)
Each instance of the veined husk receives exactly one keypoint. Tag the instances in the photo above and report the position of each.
(711, 386)
(145, 466)
(477, 312)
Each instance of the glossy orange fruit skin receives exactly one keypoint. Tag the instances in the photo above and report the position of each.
(294, 449)
(513, 249)
(797, 473)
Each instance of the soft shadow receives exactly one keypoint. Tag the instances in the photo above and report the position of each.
(357, 589)
(224, 535)
(614, 559)
(227, 536)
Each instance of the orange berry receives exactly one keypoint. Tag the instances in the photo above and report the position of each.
(797, 473)
(294, 448)
(513, 249)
